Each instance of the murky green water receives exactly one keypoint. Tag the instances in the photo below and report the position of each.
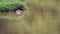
(40, 19)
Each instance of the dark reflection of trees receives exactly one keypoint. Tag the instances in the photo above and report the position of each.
(3, 29)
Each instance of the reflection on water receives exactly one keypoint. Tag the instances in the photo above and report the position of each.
(40, 19)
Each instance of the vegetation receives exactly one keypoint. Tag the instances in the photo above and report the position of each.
(11, 5)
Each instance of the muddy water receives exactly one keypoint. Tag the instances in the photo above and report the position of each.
(41, 18)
